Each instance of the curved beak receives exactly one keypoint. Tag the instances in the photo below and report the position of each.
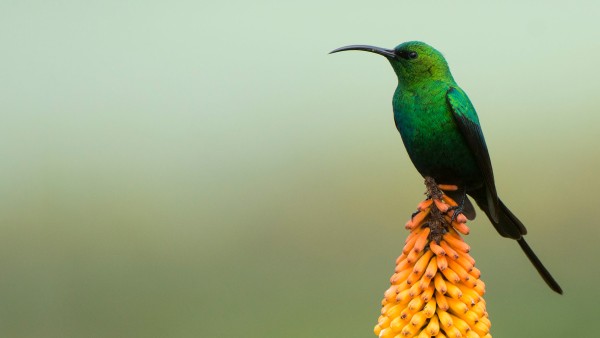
(388, 53)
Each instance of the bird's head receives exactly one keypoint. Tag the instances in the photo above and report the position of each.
(413, 61)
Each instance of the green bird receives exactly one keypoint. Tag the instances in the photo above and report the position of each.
(442, 135)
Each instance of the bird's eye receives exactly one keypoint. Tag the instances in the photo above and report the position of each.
(408, 55)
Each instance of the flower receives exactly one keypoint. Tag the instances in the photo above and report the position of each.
(436, 290)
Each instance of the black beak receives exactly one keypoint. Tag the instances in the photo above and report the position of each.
(388, 53)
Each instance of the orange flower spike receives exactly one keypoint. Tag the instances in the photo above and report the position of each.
(460, 324)
(419, 217)
(423, 334)
(397, 324)
(386, 333)
(377, 330)
(425, 283)
(456, 306)
(393, 311)
(479, 309)
(457, 244)
(398, 277)
(437, 249)
(445, 319)
(410, 241)
(415, 290)
(449, 201)
(461, 219)
(404, 296)
(406, 315)
(486, 321)
(471, 334)
(461, 227)
(400, 258)
(442, 263)
(412, 278)
(451, 275)
(422, 264)
(441, 301)
(401, 265)
(475, 272)
(432, 268)
(425, 204)
(436, 291)
(454, 233)
(416, 304)
(467, 297)
(422, 240)
(386, 307)
(428, 293)
(390, 293)
(433, 328)
(443, 207)
(470, 293)
(429, 308)
(465, 263)
(460, 271)
(471, 318)
(469, 258)
(453, 332)
(407, 331)
(383, 321)
(481, 329)
(453, 291)
(439, 283)
(413, 233)
(447, 187)
(418, 319)
(448, 250)
(480, 287)
(413, 256)
(471, 282)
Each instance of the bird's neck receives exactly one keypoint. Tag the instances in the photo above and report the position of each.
(433, 74)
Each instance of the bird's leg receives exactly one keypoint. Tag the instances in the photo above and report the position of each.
(460, 207)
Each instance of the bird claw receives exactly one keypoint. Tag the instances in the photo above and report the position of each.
(458, 209)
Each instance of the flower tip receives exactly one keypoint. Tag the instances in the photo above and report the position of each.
(447, 187)
(443, 207)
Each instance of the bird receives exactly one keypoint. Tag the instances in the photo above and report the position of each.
(442, 134)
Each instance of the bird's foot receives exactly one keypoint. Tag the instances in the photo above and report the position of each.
(458, 209)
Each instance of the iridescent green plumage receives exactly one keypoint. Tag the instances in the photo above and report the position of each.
(442, 135)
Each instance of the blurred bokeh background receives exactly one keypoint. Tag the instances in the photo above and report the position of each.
(205, 169)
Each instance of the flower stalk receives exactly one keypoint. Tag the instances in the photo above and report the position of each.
(435, 290)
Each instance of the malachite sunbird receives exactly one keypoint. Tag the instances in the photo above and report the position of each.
(442, 135)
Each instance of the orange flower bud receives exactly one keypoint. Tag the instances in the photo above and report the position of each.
(436, 290)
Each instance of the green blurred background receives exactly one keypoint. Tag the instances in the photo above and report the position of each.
(196, 169)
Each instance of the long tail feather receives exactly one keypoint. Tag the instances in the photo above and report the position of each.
(510, 226)
(539, 266)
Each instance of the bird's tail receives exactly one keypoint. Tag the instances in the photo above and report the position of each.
(510, 226)
(539, 266)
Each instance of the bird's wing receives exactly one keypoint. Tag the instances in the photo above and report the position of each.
(468, 124)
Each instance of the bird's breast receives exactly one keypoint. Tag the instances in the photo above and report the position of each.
(432, 138)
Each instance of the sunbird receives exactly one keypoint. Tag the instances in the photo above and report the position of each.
(443, 137)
